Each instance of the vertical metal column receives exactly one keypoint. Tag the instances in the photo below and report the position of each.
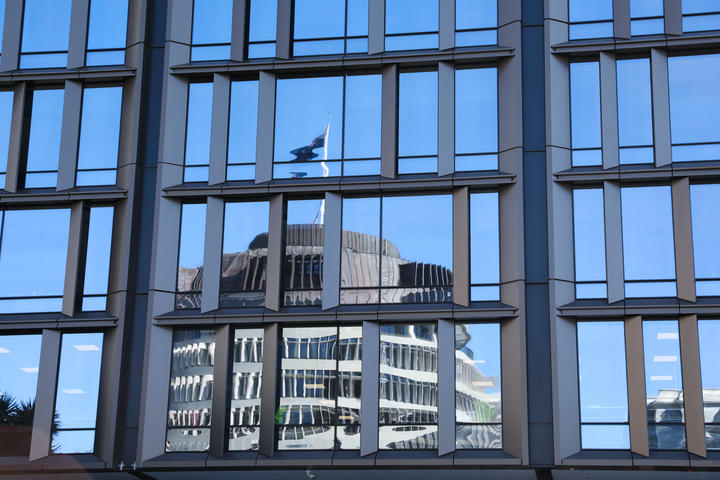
(238, 42)
(673, 17)
(446, 387)
(45, 395)
(608, 107)
(446, 25)
(376, 26)
(75, 260)
(682, 232)
(12, 175)
(79, 17)
(268, 402)
(283, 41)
(661, 107)
(637, 406)
(332, 251)
(69, 135)
(11, 36)
(219, 128)
(265, 128)
(275, 254)
(613, 242)
(212, 260)
(218, 425)
(621, 18)
(692, 385)
(388, 137)
(446, 118)
(461, 246)
(370, 388)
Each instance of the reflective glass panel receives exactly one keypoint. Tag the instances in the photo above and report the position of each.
(585, 113)
(107, 32)
(363, 103)
(484, 247)
(262, 28)
(44, 144)
(76, 399)
(475, 22)
(319, 19)
(19, 362)
(242, 137)
(408, 386)
(590, 19)
(709, 335)
(360, 263)
(246, 387)
(318, 34)
(589, 233)
(478, 386)
(417, 249)
(411, 24)
(190, 257)
(418, 122)
(33, 252)
(603, 385)
(2, 18)
(244, 259)
(704, 201)
(45, 33)
(700, 15)
(694, 103)
(190, 393)
(304, 241)
(648, 244)
(212, 29)
(476, 119)
(646, 17)
(97, 262)
(197, 136)
(663, 385)
(634, 99)
(6, 105)
(99, 136)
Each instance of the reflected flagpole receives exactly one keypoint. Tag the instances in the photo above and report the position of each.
(326, 172)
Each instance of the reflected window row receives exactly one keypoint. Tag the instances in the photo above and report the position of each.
(647, 239)
(693, 99)
(595, 19)
(33, 254)
(76, 392)
(319, 388)
(394, 249)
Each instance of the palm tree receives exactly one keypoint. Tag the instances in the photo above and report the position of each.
(16, 422)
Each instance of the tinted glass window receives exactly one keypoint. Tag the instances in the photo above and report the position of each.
(33, 252)
(585, 113)
(107, 32)
(320, 389)
(360, 264)
(589, 231)
(242, 137)
(323, 33)
(634, 97)
(19, 362)
(246, 388)
(244, 260)
(478, 409)
(262, 28)
(44, 144)
(99, 136)
(191, 388)
(648, 244)
(476, 119)
(704, 201)
(411, 24)
(646, 17)
(304, 242)
(663, 385)
(190, 256)
(700, 15)
(475, 22)
(418, 122)
(694, 103)
(97, 263)
(603, 385)
(45, 33)
(6, 104)
(408, 387)
(590, 19)
(76, 399)
(197, 135)
(211, 30)
(709, 335)
(484, 247)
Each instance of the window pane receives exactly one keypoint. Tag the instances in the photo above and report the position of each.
(262, 28)
(700, 15)
(648, 245)
(99, 134)
(484, 242)
(360, 250)
(408, 378)
(107, 27)
(418, 121)
(646, 8)
(663, 385)
(706, 230)
(77, 392)
(32, 260)
(244, 260)
(476, 111)
(19, 362)
(246, 387)
(97, 264)
(419, 230)
(471, 14)
(709, 335)
(304, 243)
(44, 144)
(634, 106)
(363, 104)
(242, 137)
(212, 21)
(694, 101)
(357, 21)
(6, 104)
(585, 110)
(589, 230)
(319, 19)
(197, 137)
(584, 11)
(191, 388)
(46, 28)
(478, 384)
(411, 16)
(190, 257)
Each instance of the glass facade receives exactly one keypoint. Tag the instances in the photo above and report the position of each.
(107, 32)
(99, 136)
(708, 333)
(197, 135)
(304, 242)
(700, 15)
(475, 22)
(476, 119)
(262, 30)
(589, 235)
(245, 389)
(211, 30)
(242, 134)
(585, 126)
(635, 129)
(484, 247)
(411, 24)
(342, 27)
(646, 17)
(590, 19)
(417, 122)
(704, 200)
(43, 151)
(45, 33)
(190, 256)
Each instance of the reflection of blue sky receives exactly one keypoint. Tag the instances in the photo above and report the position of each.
(484, 343)
(243, 222)
(97, 265)
(484, 238)
(589, 228)
(634, 102)
(6, 102)
(192, 236)
(357, 21)
(107, 27)
(363, 104)
(417, 113)
(302, 211)
(45, 123)
(212, 21)
(46, 25)
(421, 227)
(662, 357)
(706, 229)
(100, 128)
(708, 334)
(319, 18)
(583, 10)
(476, 110)
(585, 103)
(408, 16)
(601, 371)
(362, 215)
(475, 14)
(694, 98)
(242, 134)
(199, 112)
(263, 20)
(647, 8)
(19, 360)
(648, 245)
